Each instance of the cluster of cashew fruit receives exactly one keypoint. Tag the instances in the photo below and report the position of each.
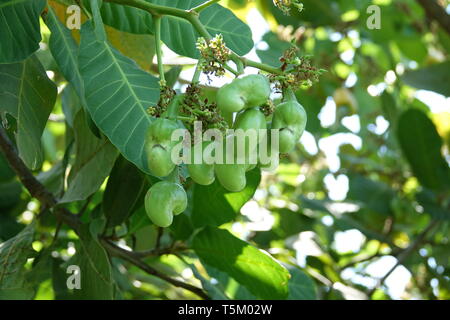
(242, 99)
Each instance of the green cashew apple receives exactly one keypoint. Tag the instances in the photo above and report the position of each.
(201, 173)
(158, 146)
(247, 92)
(290, 118)
(231, 176)
(247, 120)
(163, 201)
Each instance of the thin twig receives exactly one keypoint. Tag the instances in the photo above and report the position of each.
(38, 191)
(403, 255)
(436, 12)
(131, 257)
(159, 235)
(160, 251)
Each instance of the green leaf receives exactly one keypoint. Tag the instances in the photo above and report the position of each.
(430, 203)
(371, 194)
(421, 145)
(6, 173)
(95, 269)
(287, 223)
(435, 78)
(99, 29)
(28, 95)
(138, 220)
(214, 205)
(118, 94)
(213, 290)
(259, 272)
(172, 75)
(19, 29)
(275, 50)
(125, 189)
(181, 37)
(125, 18)
(10, 193)
(228, 285)
(13, 256)
(178, 34)
(94, 161)
(65, 52)
(53, 179)
(301, 287)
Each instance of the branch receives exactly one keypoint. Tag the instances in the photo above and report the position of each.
(157, 26)
(436, 12)
(133, 259)
(193, 18)
(403, 255)
(38, 191)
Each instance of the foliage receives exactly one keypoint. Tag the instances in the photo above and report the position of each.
(76, 106)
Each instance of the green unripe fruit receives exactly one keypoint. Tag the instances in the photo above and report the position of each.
(158, 146)
(201, 173)
(290, 118)
(251, 119)
(164, 200)
(247, 92)
(231, 176)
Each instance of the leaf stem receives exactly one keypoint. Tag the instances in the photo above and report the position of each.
(197, 73)
(204, 5)
(193, 18)
(258, 65)
(157, 26)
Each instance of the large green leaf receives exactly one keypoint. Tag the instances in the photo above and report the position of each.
(181, 37)
(118, 94)
(178, 34)
(126, 188)
(435, 78)
(95, 269)
(301, 287)
(65, 51)
(259, 272)
(13, 256)
(94, 161)
(19, 29)
(125, 18)
(421, 145)
(28, 95)
(214, 205)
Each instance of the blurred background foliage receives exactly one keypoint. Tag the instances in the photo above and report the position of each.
(363, 204)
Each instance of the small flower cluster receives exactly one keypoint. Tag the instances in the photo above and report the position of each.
(286, 5)
(202, 110)
(268, 108)
(214, 55)
(165, 97)
(298, 71)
